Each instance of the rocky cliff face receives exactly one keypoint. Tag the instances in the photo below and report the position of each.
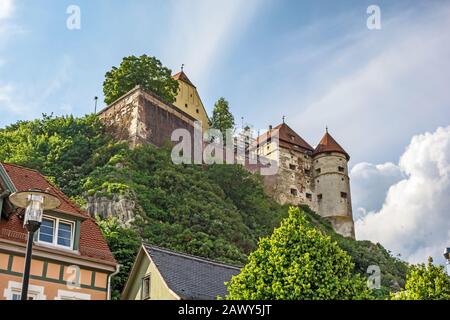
(117, 206)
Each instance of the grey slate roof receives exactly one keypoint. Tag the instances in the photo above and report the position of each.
(191, 277)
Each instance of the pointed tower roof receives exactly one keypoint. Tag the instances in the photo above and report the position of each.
(287, 136)
(328, 144)
(183, 77)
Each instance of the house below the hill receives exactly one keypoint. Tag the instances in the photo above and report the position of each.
(71, 259)
(161, 274)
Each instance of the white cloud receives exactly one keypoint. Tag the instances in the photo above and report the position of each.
(415, 217)
(370, 184)
(202, 31)
(6, 9)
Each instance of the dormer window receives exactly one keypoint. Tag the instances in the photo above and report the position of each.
(57, 232)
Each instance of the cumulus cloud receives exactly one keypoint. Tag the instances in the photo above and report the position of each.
(414, 219)
(370, 184)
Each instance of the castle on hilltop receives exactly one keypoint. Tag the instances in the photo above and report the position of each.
(317, 177)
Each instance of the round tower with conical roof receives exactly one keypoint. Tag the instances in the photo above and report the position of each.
(332, 185)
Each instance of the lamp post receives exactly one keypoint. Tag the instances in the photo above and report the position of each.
(447, 257)
(35, 202)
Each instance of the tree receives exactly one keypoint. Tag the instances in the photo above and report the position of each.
(124, 243)
(425, 283)
(222, 118)
(297, 262)
(145, 71)
(65, 148)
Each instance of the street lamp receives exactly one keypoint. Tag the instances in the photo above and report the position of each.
(35, 202)
(447, 257)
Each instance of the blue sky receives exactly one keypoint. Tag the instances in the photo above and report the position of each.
(314, 61)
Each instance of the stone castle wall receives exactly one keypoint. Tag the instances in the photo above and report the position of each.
(140, 117)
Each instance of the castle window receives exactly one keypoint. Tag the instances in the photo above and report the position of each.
(344, 195)
(197, 111)
(318, 170)
(342, 179)
(317, 181)
(309, 196)
(341, 169)
(292, 167)
(307, 171)
(186, 105)
(319, 197)
(294, 192)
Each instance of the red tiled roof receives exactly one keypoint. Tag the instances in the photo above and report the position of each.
(25, 179)
(92, 243)
(328, 144)
(287, 136)
(183, 77)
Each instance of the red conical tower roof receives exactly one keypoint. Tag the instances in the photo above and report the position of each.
(328, 144)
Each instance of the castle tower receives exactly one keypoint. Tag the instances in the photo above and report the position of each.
(332, 185)
(188, 100)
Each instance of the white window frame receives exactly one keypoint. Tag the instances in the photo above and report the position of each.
(37, 292)
(56, 222)
(71, 295)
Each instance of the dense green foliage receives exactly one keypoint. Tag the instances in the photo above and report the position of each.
(217, 211)
(124, 243)
(145, 71)
(222, 118)
(364, 254)
(425, 283)
(65, 149)
(185, 208)
(297, 262)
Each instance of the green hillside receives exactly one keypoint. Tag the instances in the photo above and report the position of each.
(217, 211)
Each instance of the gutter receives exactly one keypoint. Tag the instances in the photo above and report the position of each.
(109, 281)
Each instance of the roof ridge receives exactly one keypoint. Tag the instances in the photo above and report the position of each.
(54, 188)
(19, 166)
(190, 256)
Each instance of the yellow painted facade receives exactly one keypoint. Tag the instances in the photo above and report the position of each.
(188, 100)
(144, 267)
(48, 280)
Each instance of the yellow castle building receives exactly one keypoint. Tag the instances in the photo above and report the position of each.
(188, 100)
